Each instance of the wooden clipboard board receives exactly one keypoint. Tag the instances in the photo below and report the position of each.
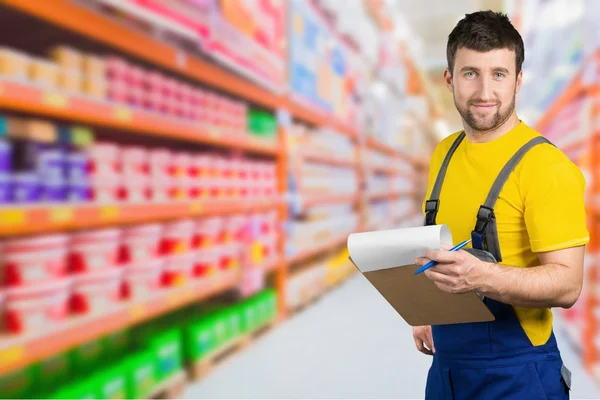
(419, 301)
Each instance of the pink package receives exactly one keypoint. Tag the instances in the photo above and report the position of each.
(231, 255)
(160, 162)
(134, 160)
(31, 268)
(96, 292)
(142, 279)
(140, 243)
(103, 159)
(34, 260)
(207, 232)
(136, 77)
(116, 69)
(161, 189)
(95, 250)
(207, 262)
(177, 237)
(106, 189)
(118, 91)
(135, 97)
(178, 269)
(136, 189)
(36, 308)
(152, 82)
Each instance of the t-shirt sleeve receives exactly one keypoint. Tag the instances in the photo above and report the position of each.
(554, 207)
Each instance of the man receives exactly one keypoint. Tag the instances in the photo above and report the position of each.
(534, 223)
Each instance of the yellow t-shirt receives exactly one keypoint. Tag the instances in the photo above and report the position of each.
(540, 208)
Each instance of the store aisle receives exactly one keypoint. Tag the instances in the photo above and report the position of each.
(351, 344)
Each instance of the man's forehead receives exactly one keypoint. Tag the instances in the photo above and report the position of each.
(493, 58)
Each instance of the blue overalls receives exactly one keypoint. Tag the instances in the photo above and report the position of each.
(491, 360)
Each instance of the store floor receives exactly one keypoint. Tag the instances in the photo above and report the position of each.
(350, 344)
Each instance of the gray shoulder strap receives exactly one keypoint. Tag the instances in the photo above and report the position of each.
(508, 168)
(437, 187)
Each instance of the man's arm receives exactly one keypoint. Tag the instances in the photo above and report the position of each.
(555, 283)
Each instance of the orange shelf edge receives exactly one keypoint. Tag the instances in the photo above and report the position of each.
(20, 351)
(330, 160)
(41, 219)
(317, 250)
(26, 98)
(68, 15)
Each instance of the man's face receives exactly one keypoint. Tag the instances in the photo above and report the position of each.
(484, 86)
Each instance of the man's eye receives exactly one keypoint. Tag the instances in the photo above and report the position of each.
(499, 75)
(470, 74)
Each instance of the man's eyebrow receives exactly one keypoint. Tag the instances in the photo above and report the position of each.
(475, 69)
(469, 68)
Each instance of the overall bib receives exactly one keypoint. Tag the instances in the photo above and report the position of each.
(491, 360)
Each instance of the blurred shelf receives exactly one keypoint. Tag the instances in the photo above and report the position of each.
(387, 170)
(331, 244)
(311, 201)
(574, 89)
(389, 196)
(328, 159)
(378, 196)
(21, 97)
(405, 216)
(40, 219)
(19, 351)
(69, 15)
(381, 147)
(395, 195)
(301, 110)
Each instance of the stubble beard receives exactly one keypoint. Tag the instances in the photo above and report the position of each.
(481, 127)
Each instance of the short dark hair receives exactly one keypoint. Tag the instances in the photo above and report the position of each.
(484, 31)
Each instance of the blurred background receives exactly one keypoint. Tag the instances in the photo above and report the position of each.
(178, 179)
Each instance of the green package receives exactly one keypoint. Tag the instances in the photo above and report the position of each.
(221, 328)
(199, 339)
(18, 384)
(235, 322)
(112, 382)
(249, 317)
(80, 389)
(117, 343)
(86, 357)
(54, 371)
(141, 375)
(167, 351)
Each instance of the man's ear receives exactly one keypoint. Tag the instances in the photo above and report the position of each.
(519, 81)
(448, 80)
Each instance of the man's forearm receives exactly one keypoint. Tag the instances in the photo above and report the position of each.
(535, 287)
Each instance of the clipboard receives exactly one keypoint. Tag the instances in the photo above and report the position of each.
(386, 259)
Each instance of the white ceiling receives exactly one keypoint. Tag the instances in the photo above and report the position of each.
(432, 20)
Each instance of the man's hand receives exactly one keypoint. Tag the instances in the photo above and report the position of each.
(423, 338)
(456, 272)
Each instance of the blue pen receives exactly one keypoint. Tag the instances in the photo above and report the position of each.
(432, 262)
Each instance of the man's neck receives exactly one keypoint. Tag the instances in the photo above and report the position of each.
(487, 136)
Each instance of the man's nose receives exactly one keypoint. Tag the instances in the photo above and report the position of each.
(485, 88)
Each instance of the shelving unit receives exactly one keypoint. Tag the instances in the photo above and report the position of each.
(583, 330)
(18, 97)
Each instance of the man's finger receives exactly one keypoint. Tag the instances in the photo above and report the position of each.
(421, 347)
(422, 261)
(442, 256)
(430, 343)
(435, 275)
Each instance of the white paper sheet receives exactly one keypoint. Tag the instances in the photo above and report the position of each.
(372, 251)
